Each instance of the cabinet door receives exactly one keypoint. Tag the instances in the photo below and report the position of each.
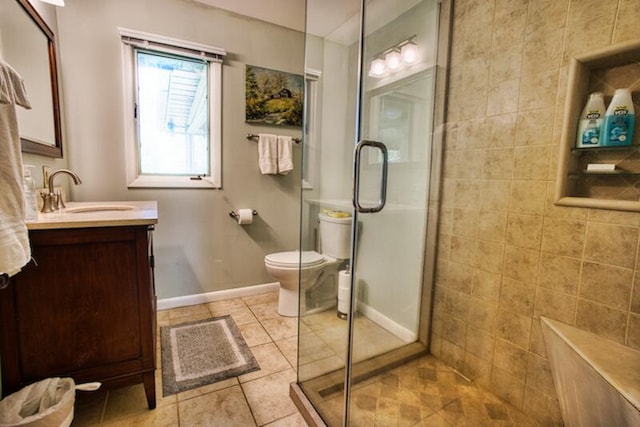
(77, 307)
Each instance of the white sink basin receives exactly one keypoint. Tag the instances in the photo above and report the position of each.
(99, 208)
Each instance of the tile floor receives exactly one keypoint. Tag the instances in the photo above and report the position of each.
(259, 398)
(423, 392)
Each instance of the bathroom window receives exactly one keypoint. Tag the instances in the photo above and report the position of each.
(172, 112)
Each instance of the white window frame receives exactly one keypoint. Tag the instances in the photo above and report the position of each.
(311, 129)
(153, 42)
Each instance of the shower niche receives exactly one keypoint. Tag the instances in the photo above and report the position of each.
(605, 70)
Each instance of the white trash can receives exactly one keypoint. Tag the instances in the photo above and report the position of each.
(47, 403)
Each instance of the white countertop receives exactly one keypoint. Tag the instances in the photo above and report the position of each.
(142, 213)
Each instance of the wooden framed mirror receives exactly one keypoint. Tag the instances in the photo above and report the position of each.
(28, 45)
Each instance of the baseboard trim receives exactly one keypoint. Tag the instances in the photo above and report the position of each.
(247, 291)
(396, 329)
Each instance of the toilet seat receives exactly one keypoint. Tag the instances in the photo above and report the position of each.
(292, 259)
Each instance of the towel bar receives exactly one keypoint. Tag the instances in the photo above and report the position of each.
(254, 137)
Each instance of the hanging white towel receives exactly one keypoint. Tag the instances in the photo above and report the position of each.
(268, 153)
(285, 154)
(14, 238)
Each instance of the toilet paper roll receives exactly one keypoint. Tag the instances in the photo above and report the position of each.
(344, 290)
(245, 216)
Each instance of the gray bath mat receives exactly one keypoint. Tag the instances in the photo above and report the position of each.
(203, 352)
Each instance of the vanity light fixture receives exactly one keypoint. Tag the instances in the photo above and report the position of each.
(54, 2)
(378, 67)
(395, 58)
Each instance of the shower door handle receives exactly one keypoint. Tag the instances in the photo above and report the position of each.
(356, 176)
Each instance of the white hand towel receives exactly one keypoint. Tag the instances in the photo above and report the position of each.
(268, 153)
(14, 237)
(285, 154)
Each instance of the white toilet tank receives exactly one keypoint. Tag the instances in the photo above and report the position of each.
(335, 236)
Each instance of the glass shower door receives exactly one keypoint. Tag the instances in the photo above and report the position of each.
(369, 143)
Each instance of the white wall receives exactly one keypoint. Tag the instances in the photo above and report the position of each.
(198, 246)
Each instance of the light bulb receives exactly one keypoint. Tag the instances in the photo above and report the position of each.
(54, 2)
(409, 53)
(393, 59)
(377, 67)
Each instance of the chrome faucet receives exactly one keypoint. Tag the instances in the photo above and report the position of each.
(53, 201)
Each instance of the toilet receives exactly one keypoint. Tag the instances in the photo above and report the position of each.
(317, 272)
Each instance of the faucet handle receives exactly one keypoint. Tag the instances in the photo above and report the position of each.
(48, 202)
(59, 201)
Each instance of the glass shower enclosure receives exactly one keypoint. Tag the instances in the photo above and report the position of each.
(373, 79)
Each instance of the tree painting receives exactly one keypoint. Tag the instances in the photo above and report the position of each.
(273, 97)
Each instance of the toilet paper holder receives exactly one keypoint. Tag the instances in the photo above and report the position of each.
(234, 214)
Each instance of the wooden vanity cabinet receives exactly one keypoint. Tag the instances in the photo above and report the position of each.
(84, 307)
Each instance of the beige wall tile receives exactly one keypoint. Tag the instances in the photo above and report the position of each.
(530, 132)
(480, 343)
(462, 249)
(501, 130)
(538, 90)
(536, 343)
(470, 163)
(555, 305)
(521, 264)
(539, 375)
(459, 277)
(508, 387)
(546, 15)
(465, 222)
(514, 328)
(498, 164)
(456, 304)
(489, 256)
(563, 237)
(503, 97)
(452, 354)
(635, 296)
(633, 337)
(517, 296)
(528, 197)
(543, 407)
(454, 330)
(482, 315)
(492, 226)
(542, 52)
(626, 27)
(472, 134)
(559, 273)
(553, 211)
(510, 28)
(614, 217)
(586, 9)
(486, 285)
(505, 64)
(602, 320)
(495, 195)
(510, 358)
(531, 162)
(477, 369)
(524, 231)
(467, 194)
(611, 244)
(587, 35)
(606, 284)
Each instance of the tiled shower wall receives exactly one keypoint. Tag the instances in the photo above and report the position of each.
(506, 254)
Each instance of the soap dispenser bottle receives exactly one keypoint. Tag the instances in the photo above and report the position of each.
(619, 119)
(591, 122)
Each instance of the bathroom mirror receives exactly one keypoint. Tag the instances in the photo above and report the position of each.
(399, 114)
(27, 44)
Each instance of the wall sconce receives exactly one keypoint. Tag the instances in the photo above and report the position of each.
(394, 59)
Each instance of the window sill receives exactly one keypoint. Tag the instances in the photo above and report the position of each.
(173, 182)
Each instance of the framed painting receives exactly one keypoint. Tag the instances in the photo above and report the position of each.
(273, 97)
